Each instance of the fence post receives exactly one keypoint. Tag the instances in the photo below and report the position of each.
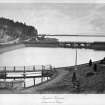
(14, 68)
(24, 83)
(12, 83)
(24, 77)
(14, 78)
(33, 68)
(24, 69)
(5, 73)
(42, 73)
(34, 81)
(5, 69)
(24, 80)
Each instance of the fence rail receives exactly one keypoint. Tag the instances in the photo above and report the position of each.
(25, 72)
(25, 68)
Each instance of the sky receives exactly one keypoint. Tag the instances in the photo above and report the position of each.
(53, 1)
(58, 18)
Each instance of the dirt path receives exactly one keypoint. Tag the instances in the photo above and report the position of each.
(60, 74)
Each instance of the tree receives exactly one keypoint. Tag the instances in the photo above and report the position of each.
(17, 29)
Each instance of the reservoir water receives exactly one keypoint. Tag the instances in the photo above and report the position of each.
(57, 57)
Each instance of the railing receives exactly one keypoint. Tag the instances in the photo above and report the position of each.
(23, 73)
(25, 68)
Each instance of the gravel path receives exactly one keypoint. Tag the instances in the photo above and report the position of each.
(60, 75)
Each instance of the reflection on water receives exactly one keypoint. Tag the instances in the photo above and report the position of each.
(30, 81)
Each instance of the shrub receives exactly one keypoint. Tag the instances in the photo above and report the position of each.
(89, 74)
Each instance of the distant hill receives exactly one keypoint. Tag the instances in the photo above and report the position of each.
(10, 30)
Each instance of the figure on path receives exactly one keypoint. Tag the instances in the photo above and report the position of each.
(74, 79)
(90, 62)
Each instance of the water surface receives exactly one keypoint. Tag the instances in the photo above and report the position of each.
(58, 57)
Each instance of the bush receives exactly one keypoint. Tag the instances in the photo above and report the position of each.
(74, 78)
(95, 67)
(89, 74)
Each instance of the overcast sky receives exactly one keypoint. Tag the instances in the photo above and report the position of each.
(58, 18)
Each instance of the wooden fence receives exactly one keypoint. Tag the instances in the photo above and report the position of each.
(25, 72)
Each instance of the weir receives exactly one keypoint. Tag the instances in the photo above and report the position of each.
(64, 44)
(69, 44)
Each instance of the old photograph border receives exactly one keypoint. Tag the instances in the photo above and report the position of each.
(52, 99)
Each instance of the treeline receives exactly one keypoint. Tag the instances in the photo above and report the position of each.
(16, 29)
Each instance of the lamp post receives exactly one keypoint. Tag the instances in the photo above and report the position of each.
(75, 67)
(74, 77)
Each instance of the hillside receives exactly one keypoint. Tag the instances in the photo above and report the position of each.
(10, 30)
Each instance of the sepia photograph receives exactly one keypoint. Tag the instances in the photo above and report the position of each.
(52, 48)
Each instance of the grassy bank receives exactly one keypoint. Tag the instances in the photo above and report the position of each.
(6, 48)
(91, 82)
(94, 83)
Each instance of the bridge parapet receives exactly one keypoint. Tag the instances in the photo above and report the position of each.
(75, 44)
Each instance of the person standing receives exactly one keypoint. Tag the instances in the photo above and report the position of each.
(90, 62)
